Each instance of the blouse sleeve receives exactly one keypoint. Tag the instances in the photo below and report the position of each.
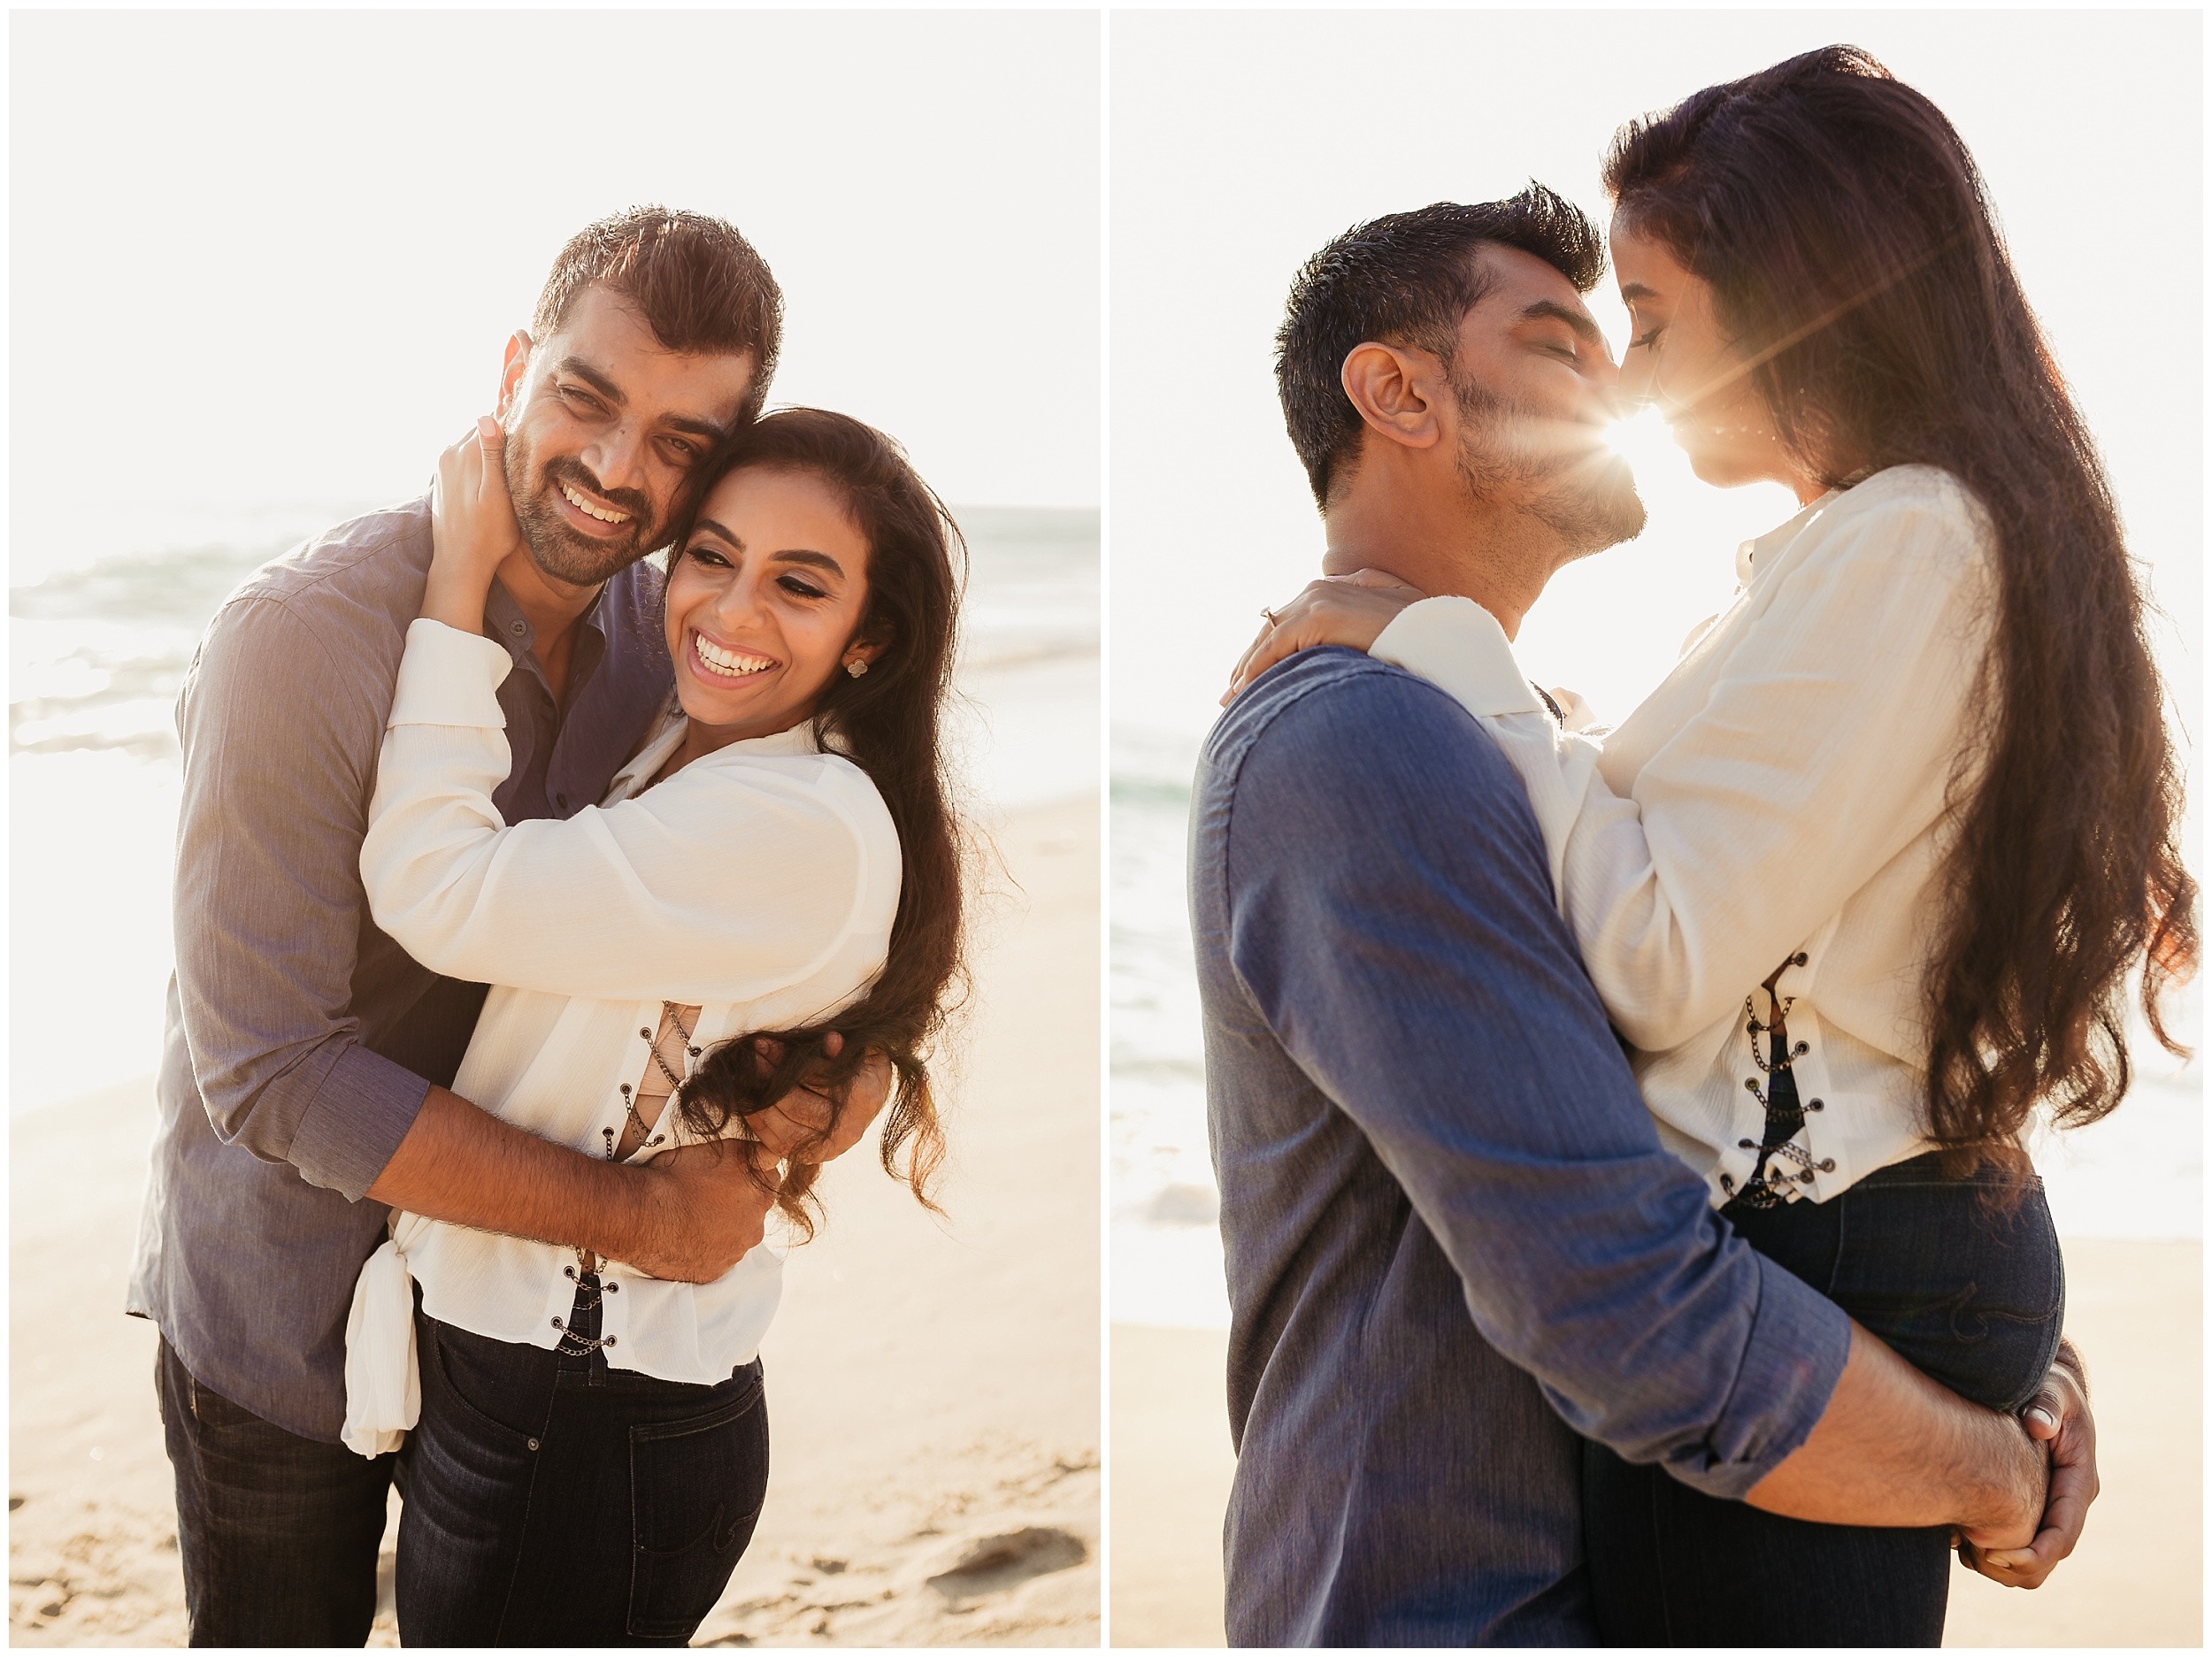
(726, 882)
(1827, 746)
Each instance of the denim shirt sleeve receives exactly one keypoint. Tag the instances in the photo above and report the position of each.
(280, 742)
(1391, 916)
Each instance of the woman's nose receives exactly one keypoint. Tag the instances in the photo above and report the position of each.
(739, 600)
(1632, 391)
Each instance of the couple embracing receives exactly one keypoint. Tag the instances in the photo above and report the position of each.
(1629, 1231)
(543, 922)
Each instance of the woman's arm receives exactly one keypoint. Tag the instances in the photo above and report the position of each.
(472, 528)
(725, 883)
(1823, 750)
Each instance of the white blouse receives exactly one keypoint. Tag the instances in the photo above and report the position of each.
(758, 883)
(1780, 798)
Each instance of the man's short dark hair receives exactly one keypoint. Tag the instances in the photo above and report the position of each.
(699, 284)
(1407, 279)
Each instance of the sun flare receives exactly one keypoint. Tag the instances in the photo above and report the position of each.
(1642, 440)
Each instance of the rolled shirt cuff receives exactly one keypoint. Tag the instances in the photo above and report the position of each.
(448, 677)
(1791, 1364)
(361, 1111)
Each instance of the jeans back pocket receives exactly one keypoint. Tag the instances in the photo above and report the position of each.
(1968, 1289)
(697, 1486)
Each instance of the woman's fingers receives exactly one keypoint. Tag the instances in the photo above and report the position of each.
(1350, 610)
(490, 457)
(1378, 579)
(1239, 675)
(2059, 1418)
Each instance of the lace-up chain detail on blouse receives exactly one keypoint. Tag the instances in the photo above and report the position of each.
(659, 1092)
(1771, 1183)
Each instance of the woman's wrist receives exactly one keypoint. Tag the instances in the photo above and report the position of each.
(455, 601)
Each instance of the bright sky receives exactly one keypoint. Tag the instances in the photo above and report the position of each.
(1243, 142)
(272, 256)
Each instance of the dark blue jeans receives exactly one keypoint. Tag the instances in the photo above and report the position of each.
(1972, 1293)
(551, 1500)
(278, 1534)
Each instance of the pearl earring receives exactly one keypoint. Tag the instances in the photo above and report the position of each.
(856, 666)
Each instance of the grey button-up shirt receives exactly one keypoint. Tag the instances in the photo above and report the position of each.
(301, 1040)
(1453, 1237)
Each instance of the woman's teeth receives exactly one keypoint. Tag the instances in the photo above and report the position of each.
(603, 514)
(732, 663)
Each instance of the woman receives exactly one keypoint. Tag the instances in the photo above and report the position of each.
(1865, 882)
(778, 860)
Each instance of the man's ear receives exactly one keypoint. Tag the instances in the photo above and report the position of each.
(512, 367)
(1396, 390)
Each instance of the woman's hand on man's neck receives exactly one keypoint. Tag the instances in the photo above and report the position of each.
(1500, 560)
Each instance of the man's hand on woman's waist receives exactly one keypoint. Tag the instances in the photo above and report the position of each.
(2059, 1420)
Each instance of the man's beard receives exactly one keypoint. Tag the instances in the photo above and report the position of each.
(558, 551)
(1585, 495)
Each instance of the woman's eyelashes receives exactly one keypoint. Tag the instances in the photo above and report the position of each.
(797, 586)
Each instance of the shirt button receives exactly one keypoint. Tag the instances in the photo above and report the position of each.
(515, 628)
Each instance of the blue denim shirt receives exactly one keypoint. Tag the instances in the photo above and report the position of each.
(1453, 1238)
(301, 1039)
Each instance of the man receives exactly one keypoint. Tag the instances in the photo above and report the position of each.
(1454, 1239)
(303, 1085)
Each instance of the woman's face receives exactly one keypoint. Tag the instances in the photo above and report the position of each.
(764, 599)
(1680, 360)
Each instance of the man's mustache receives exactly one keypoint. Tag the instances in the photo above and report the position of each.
(561, 468)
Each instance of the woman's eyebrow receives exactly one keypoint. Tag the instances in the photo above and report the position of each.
(714, 528)
(820, 560)
(1630, 292)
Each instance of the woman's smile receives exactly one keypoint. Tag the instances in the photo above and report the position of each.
(764, 601)
(717, 661)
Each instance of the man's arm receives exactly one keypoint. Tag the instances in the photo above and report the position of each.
(278, 738)
(1893, 1447)
(269, 909)
(1391, 918)
(688, 1215)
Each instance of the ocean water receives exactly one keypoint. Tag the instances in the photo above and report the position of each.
(2140, 1173)
(100, 636)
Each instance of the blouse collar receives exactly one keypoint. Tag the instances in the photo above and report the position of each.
(1758, 553)
(669, 733)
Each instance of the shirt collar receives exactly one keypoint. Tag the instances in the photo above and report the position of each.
(1758, 553)
(505, 621)
(1458, 644)
(669, 730)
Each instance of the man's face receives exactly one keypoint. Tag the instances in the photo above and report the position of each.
(1533, 381)
(604, 426)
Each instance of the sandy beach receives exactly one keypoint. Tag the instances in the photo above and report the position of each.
(934, 1385)
(2135, 1307)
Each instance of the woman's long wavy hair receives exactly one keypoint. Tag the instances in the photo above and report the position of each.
(889, 723)
(1850, 247)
